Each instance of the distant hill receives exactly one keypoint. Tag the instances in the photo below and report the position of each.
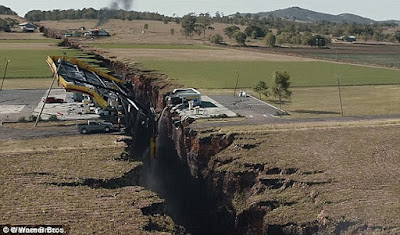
(300, 14)
(6, 11)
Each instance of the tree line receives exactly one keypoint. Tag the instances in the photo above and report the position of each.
(6, 11)
(90, 13)
(365, 32)
(285, 31)
(288, 31)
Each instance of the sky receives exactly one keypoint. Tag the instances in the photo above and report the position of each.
(374, 9)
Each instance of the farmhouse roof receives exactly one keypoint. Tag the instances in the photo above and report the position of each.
(28, 25)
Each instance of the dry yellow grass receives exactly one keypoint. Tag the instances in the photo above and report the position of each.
(131, 31)
(75, 182)
(198, 55)
(19, 19)
(328, 173)
(20, 35)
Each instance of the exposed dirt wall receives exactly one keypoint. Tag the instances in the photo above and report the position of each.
(195, 149)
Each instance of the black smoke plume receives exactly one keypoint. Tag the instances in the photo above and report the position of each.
(109, 12)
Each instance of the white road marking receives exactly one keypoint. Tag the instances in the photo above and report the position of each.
(265, 115)
(251, 116)
(265, 103)
(6, 109)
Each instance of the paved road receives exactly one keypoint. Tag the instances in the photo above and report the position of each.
(18, 103)
(248, 107)
(21, 103)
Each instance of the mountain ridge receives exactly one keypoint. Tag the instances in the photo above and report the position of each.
(305, 15)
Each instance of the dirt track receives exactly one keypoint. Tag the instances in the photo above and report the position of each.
(14, 133)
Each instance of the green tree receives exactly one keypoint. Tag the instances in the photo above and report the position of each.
(317, 40)
(397, 35)
(240, 38)
(165, 20)
(146, 26)
(254, 35)
(270, 39)
(204, 23)
(216, 39)
(378, 36)
(338, 32)
(6, 11)
(306, 37)
(296, 39)
(252, 28)
(7, 23)
(281, 85)
(229, 31)
(365, 37)
(283, 37)
(261, 88)
(188, 24)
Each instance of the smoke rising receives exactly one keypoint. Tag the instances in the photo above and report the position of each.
(108, 13)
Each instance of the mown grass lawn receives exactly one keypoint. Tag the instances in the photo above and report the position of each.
(219, 74)
(32, 63)
(45, 40)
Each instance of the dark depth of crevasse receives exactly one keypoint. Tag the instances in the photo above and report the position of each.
(189, 202)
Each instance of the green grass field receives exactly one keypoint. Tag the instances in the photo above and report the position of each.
(151, 46)
(32, 63)
(50, 41)
(378, 59)
(217, 74)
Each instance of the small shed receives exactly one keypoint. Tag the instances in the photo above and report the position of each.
(28, 27)
(187, 94)
(97, 33)
(351, 39)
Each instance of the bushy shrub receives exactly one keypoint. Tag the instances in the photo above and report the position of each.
(216, 39)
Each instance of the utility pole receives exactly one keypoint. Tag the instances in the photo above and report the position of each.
(340, 93)
(48, 92)
(237, 82)
(4, 76)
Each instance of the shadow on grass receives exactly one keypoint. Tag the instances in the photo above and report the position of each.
(130, 178)
(315, 112)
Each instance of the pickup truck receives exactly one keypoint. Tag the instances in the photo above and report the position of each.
(93, 126)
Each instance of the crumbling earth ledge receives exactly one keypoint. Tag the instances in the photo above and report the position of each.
(255, 196)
